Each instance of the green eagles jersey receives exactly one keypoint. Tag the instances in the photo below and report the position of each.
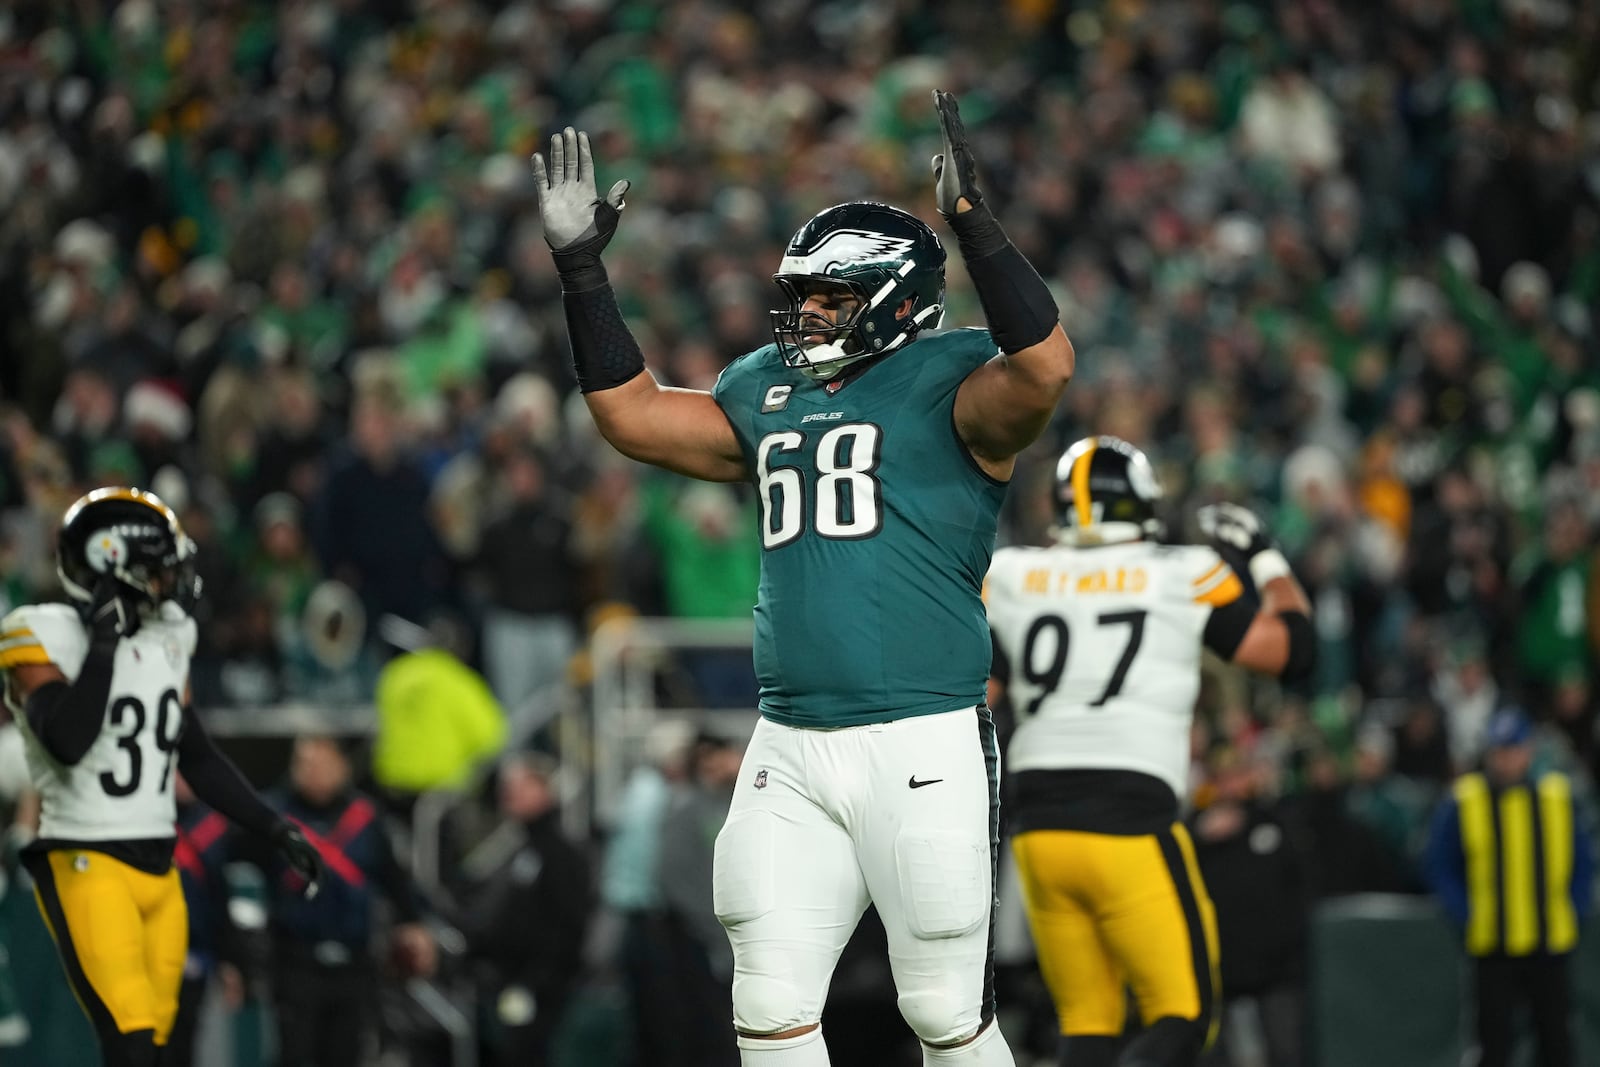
(876, 527)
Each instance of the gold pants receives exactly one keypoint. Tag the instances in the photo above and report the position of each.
(122, 935)
(1111, 912)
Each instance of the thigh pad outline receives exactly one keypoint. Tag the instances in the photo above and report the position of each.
(946, 886)
(742, 881)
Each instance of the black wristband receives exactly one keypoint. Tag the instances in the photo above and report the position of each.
(604, 353)
(579, 265)
(1302, 658)
(978, 232)
(1017, 303)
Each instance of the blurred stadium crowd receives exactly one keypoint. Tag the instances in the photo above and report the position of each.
(279, 262)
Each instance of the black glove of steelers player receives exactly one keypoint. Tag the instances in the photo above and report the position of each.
(301, 855)
(1236, 527)
(113, 612)
(1241, 537)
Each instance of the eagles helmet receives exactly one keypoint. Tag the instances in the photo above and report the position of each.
(875, 253)
(132, 536)
(1105, 492)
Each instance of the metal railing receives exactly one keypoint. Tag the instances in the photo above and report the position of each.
(626, 654)
(451, 1005)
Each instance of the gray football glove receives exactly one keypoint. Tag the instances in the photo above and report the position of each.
(577, 223)
(1234, 526)
(960, 178)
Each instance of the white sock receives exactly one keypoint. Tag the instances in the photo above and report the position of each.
(988, 1049)
(807, 1050)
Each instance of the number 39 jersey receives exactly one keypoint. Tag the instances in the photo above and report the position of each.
(122, 788)
(877, 527)
(1100, 651)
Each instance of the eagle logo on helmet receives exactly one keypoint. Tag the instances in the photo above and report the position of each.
(846, 247)
(888, 261)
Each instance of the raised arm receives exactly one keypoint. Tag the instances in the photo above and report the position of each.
(1280, 639)
(682, 430)
(1005, 404)
(67, 717)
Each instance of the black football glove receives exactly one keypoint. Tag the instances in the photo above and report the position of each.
(1241, 537)
(955, 175)
(577, 223)
(114, 611)
(301, 855)
(1235, 527)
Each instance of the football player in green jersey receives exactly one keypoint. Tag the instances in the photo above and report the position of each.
(880, 449)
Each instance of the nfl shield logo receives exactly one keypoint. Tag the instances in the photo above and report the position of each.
(761, 778)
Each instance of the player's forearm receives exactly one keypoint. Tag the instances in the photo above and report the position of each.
(217, 782)
(66, 717)
(1017, 304)
(1283, 593)
(604, 352)
(1283, 598)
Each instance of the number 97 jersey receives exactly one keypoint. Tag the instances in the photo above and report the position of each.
(1100, 650)
(122, 789)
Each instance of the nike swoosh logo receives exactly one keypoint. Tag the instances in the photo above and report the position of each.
(914, 784)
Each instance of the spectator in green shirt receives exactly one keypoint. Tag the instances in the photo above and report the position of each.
(1556, 634)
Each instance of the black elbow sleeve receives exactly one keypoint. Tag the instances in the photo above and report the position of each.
(217, 782)
(1302, 646)
(1016, 301)
(66, 717)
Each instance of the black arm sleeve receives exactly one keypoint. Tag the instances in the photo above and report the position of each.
(1302, 646)
(604, 352)
(1226, 627)
(1016, 302)
(215, 780)
(66, 717)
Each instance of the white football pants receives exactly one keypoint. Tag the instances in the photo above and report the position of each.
(901, 814)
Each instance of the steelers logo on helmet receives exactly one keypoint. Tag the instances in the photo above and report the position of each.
(1105, 492)
(105, 551)
(131, 535)
(881, 267)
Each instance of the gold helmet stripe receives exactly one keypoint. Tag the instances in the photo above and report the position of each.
(1080, 485)
(138, 496)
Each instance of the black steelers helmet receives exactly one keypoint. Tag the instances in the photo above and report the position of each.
(1105, 491)
(132, 536)
(877, 254)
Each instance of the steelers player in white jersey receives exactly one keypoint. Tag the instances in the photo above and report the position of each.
(1098, 640)
(100, 689)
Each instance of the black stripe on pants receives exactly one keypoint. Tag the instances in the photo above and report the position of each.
(1199, 953)
(49, 896)
(991, 760)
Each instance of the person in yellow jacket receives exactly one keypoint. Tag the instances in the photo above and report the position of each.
(1510, 861)
(438, 720)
